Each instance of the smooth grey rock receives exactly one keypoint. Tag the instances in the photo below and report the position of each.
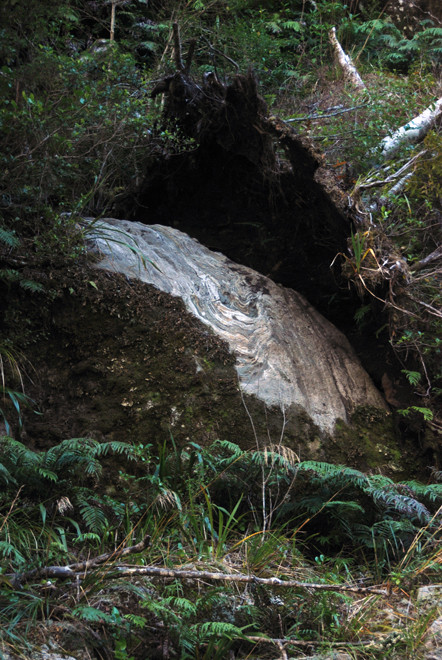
(286, 352)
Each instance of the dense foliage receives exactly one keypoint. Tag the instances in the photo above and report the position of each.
(220, 509)
(77, 131)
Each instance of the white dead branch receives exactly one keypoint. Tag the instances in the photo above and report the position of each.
(375, 182)
(431, 258)
(413, 131)
(350, 71)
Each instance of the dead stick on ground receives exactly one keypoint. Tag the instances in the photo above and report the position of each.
(186, 574)
(74, 570)
(332, 114)
(79, 569)
(300, 642)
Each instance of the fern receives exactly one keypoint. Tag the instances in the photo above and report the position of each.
(92, 615)
(7, 549)
(436, 474)
(5, 476)
(412, 376)
(136, 620)
(219, 628)
(93, 517)
(295, 26)
(433, 32)
(8, 238)
(16, 456)
(87, 536)
(344, 506)
(185, 606)
(425, 412)
(114, 447)
(432, 492)
(47, 474)
(233, 448)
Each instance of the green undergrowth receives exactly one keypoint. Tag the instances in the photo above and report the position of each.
(222, 510)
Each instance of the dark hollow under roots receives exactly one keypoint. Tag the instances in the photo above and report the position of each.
(247, 185)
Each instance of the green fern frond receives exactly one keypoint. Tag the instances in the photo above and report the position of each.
(219, 628)
(389, 40)
(94, 517)
(120, 448)
(273, 27)
(344, 506)
(9, 238)
(87, 536)
(9, 550)
(432, 492)
(92, 614)
(136, 620)
(6, 477)
(339, 475)
(183, 605)
(15, 454)
(433, 32)
(407, 506)
(295, 26)
(159, 609)
(412, 376)
(10, 275)
(436, 474)
(408, 46)
(47, 474)
(235, 450)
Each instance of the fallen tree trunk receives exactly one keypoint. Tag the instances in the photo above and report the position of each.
(350, 71)
(414, 131)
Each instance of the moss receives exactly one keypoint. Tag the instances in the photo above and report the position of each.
(370, 442)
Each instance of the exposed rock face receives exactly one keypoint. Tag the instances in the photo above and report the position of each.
(286, 352)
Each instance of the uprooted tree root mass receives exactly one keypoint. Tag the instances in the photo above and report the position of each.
(246, 185)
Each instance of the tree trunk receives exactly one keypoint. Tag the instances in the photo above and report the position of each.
(350, 72)
(413, 131)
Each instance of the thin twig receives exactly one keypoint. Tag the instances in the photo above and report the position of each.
(11, 507)
(433, 256)
(332, 114)
(219, 52)
(370, 183)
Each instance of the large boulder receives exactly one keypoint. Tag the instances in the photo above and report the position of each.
(287, 354)
(158, 340)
